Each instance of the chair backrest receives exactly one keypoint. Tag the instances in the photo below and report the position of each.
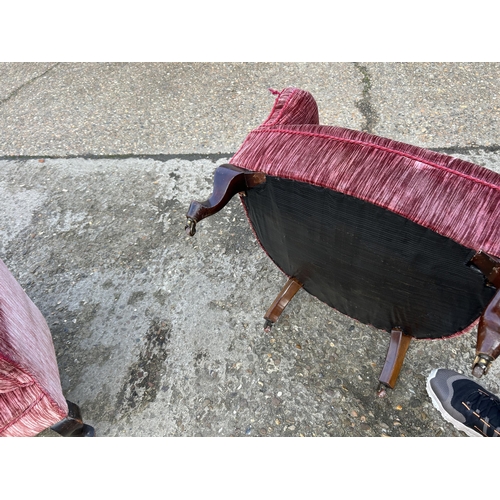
(452, 197)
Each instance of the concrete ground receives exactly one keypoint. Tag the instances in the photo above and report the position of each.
(159, 334)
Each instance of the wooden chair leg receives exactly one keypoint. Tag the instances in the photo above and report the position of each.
(72, 425)
(488, 337)
(488, 332)
(286, 294)
(395, 357)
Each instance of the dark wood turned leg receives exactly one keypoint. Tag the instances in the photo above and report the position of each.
(395, 357)
(286, 294)
(488, 332)
(488, 337)
(228, 180)
(72, 425)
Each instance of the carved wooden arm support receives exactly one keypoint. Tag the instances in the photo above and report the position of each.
(228, 180)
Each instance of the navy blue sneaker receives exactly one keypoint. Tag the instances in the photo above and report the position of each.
(464, 403)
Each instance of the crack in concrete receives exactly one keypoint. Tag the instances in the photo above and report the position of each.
(365, 105)
(464, 150)
(156, 157)
(449, 150)
(25, 84)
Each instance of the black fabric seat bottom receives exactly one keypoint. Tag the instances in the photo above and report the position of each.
(367, 262)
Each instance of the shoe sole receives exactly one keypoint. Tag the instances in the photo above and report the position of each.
(437, 404)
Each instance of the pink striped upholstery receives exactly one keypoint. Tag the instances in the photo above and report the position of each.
(454, 198)
(31, 397)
